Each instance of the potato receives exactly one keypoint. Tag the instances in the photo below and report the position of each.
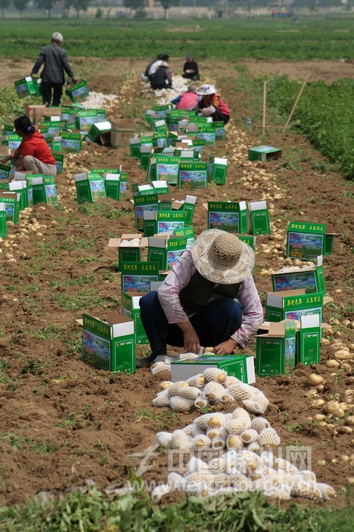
(314, 380)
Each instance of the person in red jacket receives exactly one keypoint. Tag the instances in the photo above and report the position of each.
(188, 101)
(212, 105)
(33, 154)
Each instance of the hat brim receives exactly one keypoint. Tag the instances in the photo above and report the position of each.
(214, 272)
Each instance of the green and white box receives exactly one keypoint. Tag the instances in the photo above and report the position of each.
(59, 161)
(259, 216)
(166, 168)
(135, 144)
(207, 133)
(230, 216)
(130, 247)
(85, 119)
(276, 350)
(192, 175)
(309, 340)
(20, 187)
(100, 132)
(311, 278)
(77, 92)
(150, 223)
(188, 208)
(131, 309)
(13, 141)
(12, 205)
(239, 366)
(144, 203)
(292, 305)
(3, 224)
(112, 186)
(145, 154)
(217, 170)
(306, 240)
(89, 187)
(169, 221)
(248, 239)
(166, 250)
(4, 171)
(137, 276)
(219, 130)
(160, 187)
(187, 232)
(71, 142)
(25, 87)
(109, 345)
(263, 153)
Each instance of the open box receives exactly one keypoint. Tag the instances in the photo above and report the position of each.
(126, 251)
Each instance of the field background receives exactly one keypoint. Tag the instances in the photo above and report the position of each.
(65, 424)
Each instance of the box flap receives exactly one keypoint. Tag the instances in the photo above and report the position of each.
(158, 242)
(310, 321)
(258, 205)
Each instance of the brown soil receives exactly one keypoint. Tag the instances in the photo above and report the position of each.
(63, 422)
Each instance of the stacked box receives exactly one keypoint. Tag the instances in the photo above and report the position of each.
(160, 187)
(85, 119)
(276, 350)
(311, 279)
(89, 187)
(123, 177)
(217, 170)
(306, 240)
(309, 340)
(292, 305)
(166, 168)
(230, 216)
(259, 217)
(131, 309)
(109, 345)
(187, 232)
(207, 133)
(166, 250)
(192, 175)
(239, 366)
(142, 204)
(175, 201)
(163, 221)
(71, 142)
(3, 224)
(263, 153)
(137, 276)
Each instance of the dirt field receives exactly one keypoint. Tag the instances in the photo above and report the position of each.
(63, 422)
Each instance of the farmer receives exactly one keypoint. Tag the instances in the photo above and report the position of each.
(188, 101)
(33, 154)
(162, 78)
(145, 76)
(190, 68)
(156, 64)
(212, 105)
(196, 304)
(55, 62)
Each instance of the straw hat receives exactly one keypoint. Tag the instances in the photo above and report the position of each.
(221, 257)
(206, 89)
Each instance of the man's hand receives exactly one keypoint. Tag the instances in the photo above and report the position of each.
(75, 80)
(225, 347)
(190, 337)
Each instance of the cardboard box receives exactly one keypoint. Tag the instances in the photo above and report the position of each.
(259, 217)
(25, 87)
(309, 340)
(123, 177)
(219, 130)
(160, 187)
(230, 216)
(85, 119)
(311, 278)
(35, 112)
(173, 201)
(166, 250)
(188, 208)
(122, 131)
(12, 205)
(239, 366)
(135, 144)
(112, 186)
(13, 141)
(145, 152)
(127, 252)
(205, 132)
(3, 224)
(187, 232)
(59, 161)
(25, 177)
(217, 170)
(142, 204)
(77, 92)
(263, 153)
(71, 142)
(276, 349)
(166, 168)
(131, 309)
(192, 175)
(89, 187)
(19, 187)
(306, 240)
(137, 276)
(100, 133)
(292, 305)
(250, 240)
(163, 221)
(109, 345)
(4, 171)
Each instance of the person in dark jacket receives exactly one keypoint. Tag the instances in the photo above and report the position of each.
(190, 68)
(55, 62)
(162, 78)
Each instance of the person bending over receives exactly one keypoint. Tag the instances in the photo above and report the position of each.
(212, 105)
(209, 298)
(162, 78)
(33, 154)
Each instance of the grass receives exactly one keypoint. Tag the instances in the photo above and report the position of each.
(86, 299)
(161, 420)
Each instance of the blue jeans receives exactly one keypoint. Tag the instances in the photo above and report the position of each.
(215, 324)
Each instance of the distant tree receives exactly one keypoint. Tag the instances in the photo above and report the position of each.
(4, 4)
(79, 5)
(135, 5)
(21, 5)
(166, 4)
(46, 4)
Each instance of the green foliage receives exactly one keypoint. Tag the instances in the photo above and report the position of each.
(4, 4)
(21, 5)
(46, 4)
(324, 114)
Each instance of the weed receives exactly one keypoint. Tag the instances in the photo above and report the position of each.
(295, 427)
(85, 299)
(14, 440)
(47, 332)
(46, 447)
(35, 367)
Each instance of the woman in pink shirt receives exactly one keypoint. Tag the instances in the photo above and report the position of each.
(196, 305)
